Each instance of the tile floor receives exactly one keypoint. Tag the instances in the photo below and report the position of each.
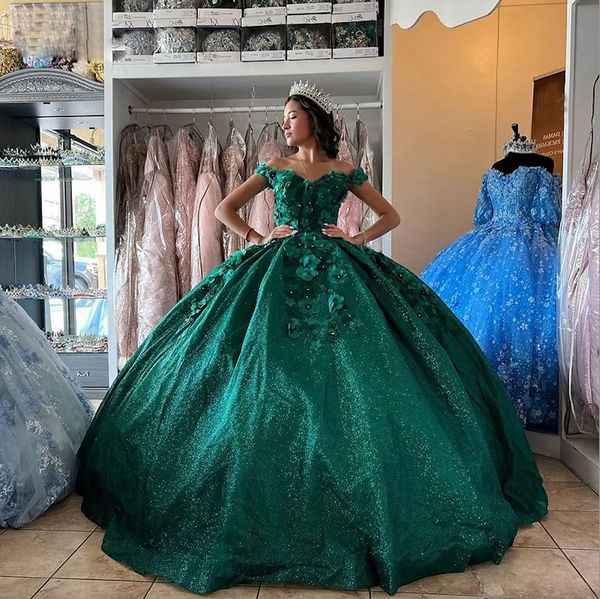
(59, 557)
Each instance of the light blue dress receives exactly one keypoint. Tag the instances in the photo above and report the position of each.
(43, 419)
(500, 279)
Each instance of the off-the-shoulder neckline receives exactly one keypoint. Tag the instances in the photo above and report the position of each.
(543, 169)
(329, 173)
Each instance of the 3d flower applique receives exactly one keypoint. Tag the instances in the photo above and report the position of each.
(335, 301)
(294, 328)
(336, 274)
(305, 305)
(307, 270)
(355, 324)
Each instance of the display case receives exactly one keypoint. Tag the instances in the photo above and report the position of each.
(53, 214)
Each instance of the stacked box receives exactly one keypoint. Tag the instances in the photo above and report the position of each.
(264, 8)
(263, 38)
(219, 34)
(355, 35)
(133, 31)
(175, 44)
(301, 7)
(352, 6)
(309, 36)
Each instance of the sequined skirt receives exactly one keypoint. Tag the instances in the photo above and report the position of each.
(310, 413)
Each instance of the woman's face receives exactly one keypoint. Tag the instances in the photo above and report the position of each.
(297, 124)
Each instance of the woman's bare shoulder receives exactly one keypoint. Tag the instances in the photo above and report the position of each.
(345, 167)
(279, 162)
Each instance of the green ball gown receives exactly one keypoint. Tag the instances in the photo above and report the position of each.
(310, 413)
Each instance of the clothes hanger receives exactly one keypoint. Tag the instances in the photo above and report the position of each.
(193, 128)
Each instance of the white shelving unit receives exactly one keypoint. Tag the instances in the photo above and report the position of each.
(579, 452)
(204, 85)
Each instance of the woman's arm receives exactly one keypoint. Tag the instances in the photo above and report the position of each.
(227, 209)
(388, 216)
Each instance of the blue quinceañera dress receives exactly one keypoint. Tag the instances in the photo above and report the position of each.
(309, 413)
(500, 279)
(43, 419)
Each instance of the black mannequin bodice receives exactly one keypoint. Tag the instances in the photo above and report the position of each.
(513, 160)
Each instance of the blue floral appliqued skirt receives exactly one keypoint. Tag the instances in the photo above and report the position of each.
(500, 280)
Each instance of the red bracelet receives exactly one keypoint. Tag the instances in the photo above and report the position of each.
(247, 235)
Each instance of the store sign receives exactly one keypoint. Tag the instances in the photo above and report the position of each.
(547, 123)
(450, 12)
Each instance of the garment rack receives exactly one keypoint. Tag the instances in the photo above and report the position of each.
(232, 109)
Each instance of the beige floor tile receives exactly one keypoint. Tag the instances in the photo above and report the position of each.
(573, 530)
(554, 471)
(575, 497)
(533, 535)
(399, 595)
(586, 562)
(90, 562)
(455, 583)
(19, 588)
(161, 590)
(306, 586)
(309, 593)
(532, 573)
(65, 515)
(36, 552)
(93, 589)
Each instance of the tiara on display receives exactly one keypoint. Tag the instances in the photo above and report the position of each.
(311, 91)
(522, 145)
(519, 144)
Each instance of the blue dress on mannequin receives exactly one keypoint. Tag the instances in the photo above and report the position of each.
(500, 280)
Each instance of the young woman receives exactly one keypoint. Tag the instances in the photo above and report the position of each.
(310, 412)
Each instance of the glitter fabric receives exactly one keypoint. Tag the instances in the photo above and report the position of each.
(43, 418)
(500, 279)
(258, 435)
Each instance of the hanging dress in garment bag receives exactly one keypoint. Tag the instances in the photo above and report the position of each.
(579, 295)
(186, 164)
(207, 231)
(157, 282)
(350, 214)
(250, 161)
(232, 174)
(129, 227)
(260, 211)
(365, 159)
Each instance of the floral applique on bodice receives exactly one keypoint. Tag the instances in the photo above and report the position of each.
(315, 273)
(306, 204)
(530, 194)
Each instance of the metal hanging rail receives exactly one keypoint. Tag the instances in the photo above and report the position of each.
(232, 109)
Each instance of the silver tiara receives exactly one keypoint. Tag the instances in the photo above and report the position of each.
(520, 145)
(310, 90)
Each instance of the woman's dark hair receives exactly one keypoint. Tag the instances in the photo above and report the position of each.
(324, 129)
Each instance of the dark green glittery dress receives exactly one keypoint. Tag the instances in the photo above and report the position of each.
(309, 413)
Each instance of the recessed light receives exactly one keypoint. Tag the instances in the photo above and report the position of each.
(57, 109)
